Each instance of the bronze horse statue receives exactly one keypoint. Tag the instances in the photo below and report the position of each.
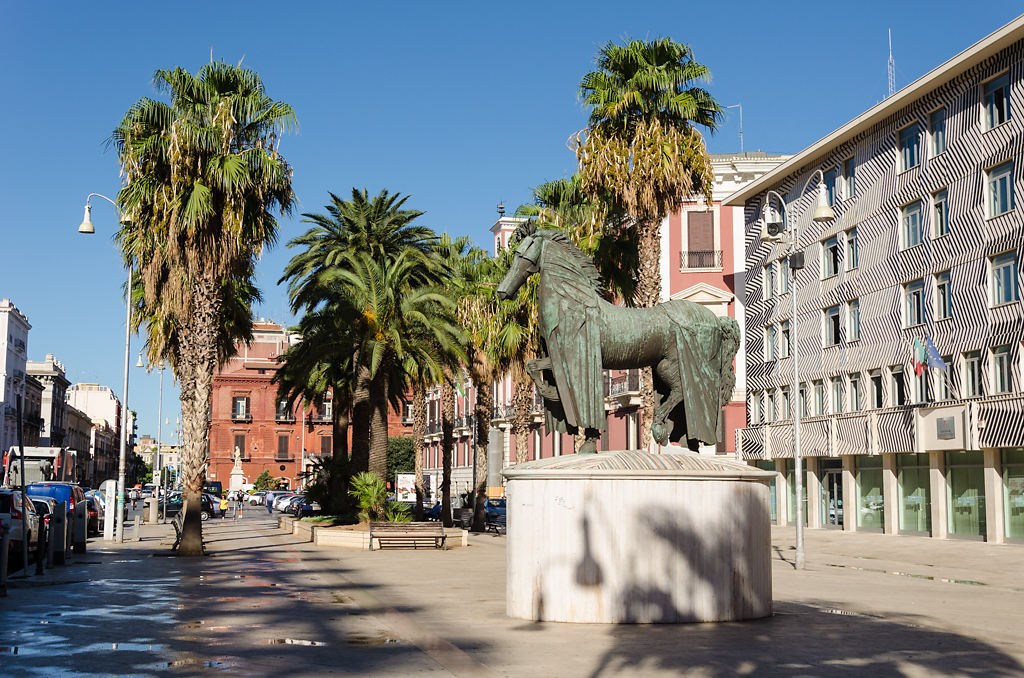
(689, 348)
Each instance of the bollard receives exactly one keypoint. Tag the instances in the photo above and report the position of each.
(138, 528)
(58, 523)
(4, 547)
(50, 537)
(40, 546)
(80, 526)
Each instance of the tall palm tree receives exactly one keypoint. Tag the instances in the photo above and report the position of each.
(202, 178)
(641, 149)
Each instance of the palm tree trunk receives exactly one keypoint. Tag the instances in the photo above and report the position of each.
(378, 461)
(361, 409)
(419, 432)
(447, 443)
(648, 294)
(338, 482)
(198, 341)
(482, 417)
(522, 399)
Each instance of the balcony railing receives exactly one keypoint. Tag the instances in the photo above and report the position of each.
(463, 422)
(433, 427)
(503, 412)
(284, 416)
(630, 382)
(700, 259)
(241, 416)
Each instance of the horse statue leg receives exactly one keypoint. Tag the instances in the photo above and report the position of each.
(535, 368)
(667, 370)
(591, 436)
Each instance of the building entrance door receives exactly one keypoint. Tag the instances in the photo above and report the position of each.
(832, 497)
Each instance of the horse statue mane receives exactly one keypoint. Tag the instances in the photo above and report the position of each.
(586, 265)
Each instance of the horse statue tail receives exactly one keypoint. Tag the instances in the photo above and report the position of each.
(730, 345)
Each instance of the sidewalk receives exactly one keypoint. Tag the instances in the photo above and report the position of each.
(266, 603)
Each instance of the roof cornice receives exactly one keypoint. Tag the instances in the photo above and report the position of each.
(958, 65)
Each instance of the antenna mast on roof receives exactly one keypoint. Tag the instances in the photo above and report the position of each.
(892, 68)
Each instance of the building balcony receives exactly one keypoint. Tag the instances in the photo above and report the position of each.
(241, 416)
(623, 389)
(700, 259)
(433, 428)
(463, 423)
(503, 413)
(286, 417)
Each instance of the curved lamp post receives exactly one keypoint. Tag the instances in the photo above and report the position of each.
(86, 227)
(778, 228)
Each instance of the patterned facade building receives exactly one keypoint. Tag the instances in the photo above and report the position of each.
(701, 262)
(14, 328)
(909, 324)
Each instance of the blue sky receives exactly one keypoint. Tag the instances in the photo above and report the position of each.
(459, 104)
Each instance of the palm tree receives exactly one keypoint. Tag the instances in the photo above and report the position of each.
(202, 176)
(381, 228)
(641, 149)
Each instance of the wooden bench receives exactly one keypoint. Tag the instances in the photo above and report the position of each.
(407, 534)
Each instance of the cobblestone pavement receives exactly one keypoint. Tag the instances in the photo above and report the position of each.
(265, 603)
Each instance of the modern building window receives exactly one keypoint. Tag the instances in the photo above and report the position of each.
(831, 318)
(849, 178)
(921, 387)
(910, 218)
(769, 343)
(1002, 377)
(830, 257)
(1004, 278)
(945, 379)
(877, 394)
(940, 213)
(914, 489)
(870, 503)
(786, 409)
(819, 397)
(240, 446)
(899, 385)
(965, 493)
(943, 296)
(837, 395)
(805, 407)
(1000, 189)
(853, 320)
(972, 374)
(856, 401)
(785, 346)
(769, 281)
(783, 276)
(852, 250)
(996, 95)
(913, 306)
(830, 185)
(937, 131)
(910, 147)
(755, 408)
(1013, 492)
(769, 406)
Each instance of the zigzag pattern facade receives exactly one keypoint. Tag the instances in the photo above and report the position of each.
(885, 267)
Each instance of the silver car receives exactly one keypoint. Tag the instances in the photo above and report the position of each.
(14, 515)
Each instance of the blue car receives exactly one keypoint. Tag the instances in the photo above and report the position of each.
(69, 493)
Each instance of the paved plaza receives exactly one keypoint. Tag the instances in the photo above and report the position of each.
(266, 603)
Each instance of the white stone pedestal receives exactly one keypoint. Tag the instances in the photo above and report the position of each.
(632, 537)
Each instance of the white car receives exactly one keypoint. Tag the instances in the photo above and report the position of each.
(14, 514)
(282, 501)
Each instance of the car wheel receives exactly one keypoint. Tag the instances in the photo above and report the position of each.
(204, 515)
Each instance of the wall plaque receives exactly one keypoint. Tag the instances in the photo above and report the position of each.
(945, 428)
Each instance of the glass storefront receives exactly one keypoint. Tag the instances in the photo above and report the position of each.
(768, 465)
(1013, 492)
(914, 493)
(830, 472)
(791, 488)
(965, 491)
(870, 508)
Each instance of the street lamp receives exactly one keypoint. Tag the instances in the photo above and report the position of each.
(775, 228)
(86, 227)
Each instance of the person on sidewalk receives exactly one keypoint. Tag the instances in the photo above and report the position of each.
(223, 507)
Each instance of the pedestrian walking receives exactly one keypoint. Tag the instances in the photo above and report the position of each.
(223, 507)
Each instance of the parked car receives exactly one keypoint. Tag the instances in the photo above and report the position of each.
(495, 514)
(282, 501)
(304, 507)
(69, 493)
(256, 498)
(208, 505)
(95, 514)
(45, 507)
(270, 495)
(17, 516)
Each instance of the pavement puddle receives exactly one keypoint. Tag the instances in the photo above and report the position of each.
(294, 641)
(926, 577)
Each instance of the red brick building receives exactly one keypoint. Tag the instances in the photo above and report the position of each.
(247, 414)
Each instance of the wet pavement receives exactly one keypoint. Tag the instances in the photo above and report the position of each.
(266, 603)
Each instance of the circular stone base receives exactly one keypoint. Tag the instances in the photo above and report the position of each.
(632, 537)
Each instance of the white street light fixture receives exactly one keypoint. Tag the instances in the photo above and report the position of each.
(822, 213)
(87, 227)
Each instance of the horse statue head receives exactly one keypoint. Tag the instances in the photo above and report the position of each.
(550, 249)
(525, 263)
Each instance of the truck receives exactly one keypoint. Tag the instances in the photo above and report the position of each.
(41, 464)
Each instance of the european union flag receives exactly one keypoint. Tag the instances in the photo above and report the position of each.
(934, 359)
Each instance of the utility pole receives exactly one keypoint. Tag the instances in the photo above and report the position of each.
(892, 68)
